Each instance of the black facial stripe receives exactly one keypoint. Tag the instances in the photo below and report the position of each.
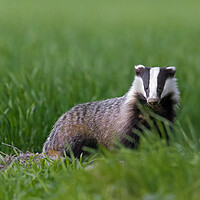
(163, 75)
(145, 77)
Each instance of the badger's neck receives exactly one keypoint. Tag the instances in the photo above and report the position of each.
(135, 105)
(133, 108)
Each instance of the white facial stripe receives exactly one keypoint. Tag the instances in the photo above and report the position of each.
(137, 87)
(171, 87)
(153, 81)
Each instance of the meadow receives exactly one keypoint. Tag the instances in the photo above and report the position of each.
(54, 55)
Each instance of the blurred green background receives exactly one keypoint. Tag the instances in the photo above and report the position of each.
(56, 54)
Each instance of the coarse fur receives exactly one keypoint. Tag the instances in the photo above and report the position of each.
(104, 122)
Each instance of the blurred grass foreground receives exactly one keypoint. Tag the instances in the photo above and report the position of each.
(56, 54)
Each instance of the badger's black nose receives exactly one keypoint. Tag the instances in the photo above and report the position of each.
(152, 101)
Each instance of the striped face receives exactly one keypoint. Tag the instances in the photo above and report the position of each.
(155, 83)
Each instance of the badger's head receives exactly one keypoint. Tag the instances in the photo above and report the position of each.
(154, 84)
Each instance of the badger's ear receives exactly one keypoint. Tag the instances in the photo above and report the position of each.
(139, 69)
(172, 71)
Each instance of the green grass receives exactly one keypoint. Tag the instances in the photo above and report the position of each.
(54, 55)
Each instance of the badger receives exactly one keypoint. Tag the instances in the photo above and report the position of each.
(104, 122)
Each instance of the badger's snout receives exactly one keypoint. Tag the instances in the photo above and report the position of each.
(153, 101)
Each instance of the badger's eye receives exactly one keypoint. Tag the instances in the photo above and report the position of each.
(137, 72)
(172, 73)
(159, 89)
(146, 88)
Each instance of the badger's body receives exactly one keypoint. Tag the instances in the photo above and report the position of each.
(104, 122)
